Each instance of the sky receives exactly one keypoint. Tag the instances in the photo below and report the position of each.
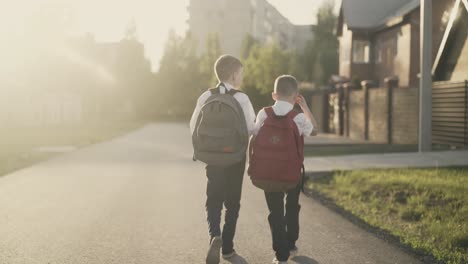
(107, 19)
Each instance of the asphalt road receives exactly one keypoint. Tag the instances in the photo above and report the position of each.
(140, 199)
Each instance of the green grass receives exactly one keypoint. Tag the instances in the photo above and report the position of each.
(426, 208)
(17, 144)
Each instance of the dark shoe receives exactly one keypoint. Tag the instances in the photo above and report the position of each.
(276, 261)
(293, 252)
(231, 255)
(212, 257)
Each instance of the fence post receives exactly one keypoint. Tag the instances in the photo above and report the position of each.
(339, 90)
(326, 112)
(390, 83)
(465, 130)
(366, 85)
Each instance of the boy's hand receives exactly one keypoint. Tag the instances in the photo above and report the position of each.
(300, 100)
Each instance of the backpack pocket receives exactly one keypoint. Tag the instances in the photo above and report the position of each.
(222, 140)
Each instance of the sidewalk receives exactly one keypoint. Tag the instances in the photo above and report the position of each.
(332, 139)
(384, 161)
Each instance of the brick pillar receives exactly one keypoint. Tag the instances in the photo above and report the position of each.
(366, 85)
(347, 88)
(390, 83)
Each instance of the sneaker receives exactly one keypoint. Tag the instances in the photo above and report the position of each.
(230, 255)
(293, 252)
(276, 261)
(212, 257)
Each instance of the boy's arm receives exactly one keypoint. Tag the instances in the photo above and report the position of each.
(305, 108)
(259, 122)
(251, 142)
(249, 114)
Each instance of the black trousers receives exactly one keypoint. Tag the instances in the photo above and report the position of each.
(284, 224)
(224, 188)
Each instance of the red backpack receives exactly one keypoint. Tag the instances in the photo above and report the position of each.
(277, 153)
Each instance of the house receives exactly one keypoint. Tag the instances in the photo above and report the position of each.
(22, 107)
(380, 46)
(232, 21)
(84, 81)
(380, 39)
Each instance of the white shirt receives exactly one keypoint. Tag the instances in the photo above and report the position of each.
(243, 100)
(282, 108)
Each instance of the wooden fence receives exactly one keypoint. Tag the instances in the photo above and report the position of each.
(390, 114)
(450, 113)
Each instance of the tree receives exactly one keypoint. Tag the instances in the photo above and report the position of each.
(133, 73)
(263, 65)
(321, 54)
(212, 53)
(131, 31)
(181, 77)
(247, 44)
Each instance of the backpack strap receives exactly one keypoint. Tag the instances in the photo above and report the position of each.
(299, 140)
(214, 90)
(269, 111)
(292, 114)
(232, 92)
(303, 178)
(217, 90)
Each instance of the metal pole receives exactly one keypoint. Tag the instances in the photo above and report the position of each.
(425, 91)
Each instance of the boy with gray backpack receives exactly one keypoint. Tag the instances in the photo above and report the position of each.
(221, 124)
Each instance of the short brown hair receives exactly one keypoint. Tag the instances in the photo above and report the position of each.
(286, 85)
(225, 66)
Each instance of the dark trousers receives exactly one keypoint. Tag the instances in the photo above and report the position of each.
(284, 224)
(224, 188)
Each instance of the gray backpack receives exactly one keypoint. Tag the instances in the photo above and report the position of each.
(220, 137)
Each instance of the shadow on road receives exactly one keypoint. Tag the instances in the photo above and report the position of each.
(237, 260)
(304, 260)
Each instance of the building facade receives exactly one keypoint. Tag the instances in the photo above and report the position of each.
(234, 20)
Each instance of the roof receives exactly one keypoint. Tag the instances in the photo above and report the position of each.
(371, 14)
(399, 13)
(274, 9)
(454, 22)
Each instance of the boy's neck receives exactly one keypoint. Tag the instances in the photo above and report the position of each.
(229, 84)
(284, 100)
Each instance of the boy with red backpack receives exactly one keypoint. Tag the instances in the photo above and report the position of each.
(276, 159)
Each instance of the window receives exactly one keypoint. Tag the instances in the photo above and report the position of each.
(385, 50)
(378, 51)
(268, 26)
(254, 23)
(344, 53)
(253, 3)
(361, 51)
